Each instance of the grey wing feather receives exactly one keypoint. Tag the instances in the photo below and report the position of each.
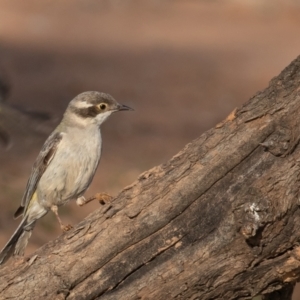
(39, 167)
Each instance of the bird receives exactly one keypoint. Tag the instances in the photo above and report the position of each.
(65, 166)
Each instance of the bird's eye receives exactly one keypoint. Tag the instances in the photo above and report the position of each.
(102, 106)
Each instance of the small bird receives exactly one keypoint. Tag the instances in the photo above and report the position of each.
(65, 165)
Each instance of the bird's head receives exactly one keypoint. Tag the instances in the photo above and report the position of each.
(93, 108)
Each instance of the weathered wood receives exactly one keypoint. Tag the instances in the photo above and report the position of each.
(220, 220)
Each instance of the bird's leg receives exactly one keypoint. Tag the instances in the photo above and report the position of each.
(62, 226)
(103, 198)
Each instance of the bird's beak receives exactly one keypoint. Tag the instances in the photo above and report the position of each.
(123, 107)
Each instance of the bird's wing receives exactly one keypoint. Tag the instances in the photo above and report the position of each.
(43, 160)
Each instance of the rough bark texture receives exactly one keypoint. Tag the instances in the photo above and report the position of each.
(220, 220)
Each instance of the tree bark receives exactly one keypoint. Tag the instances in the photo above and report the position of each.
(220, 220)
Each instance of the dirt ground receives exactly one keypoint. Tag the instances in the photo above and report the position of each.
(183, 65)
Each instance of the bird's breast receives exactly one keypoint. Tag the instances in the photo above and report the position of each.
(85, 159)
(73, 167)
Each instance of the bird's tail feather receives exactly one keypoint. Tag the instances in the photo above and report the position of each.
(18, 242)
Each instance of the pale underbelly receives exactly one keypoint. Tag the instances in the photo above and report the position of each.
(68, 179)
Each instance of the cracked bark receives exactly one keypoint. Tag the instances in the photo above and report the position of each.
(220, 220)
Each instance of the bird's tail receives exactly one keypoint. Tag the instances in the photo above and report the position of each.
(18, 242)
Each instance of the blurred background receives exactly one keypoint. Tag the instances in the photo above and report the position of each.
(183, 65)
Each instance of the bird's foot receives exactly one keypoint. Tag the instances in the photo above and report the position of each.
(103, 198)
(66, 228)
(63, 227)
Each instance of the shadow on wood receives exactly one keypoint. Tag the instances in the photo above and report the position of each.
(220, 220)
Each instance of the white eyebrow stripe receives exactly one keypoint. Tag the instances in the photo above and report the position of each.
(83, 105)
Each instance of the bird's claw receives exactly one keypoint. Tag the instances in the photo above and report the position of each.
(66, 228)
(103, 198)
